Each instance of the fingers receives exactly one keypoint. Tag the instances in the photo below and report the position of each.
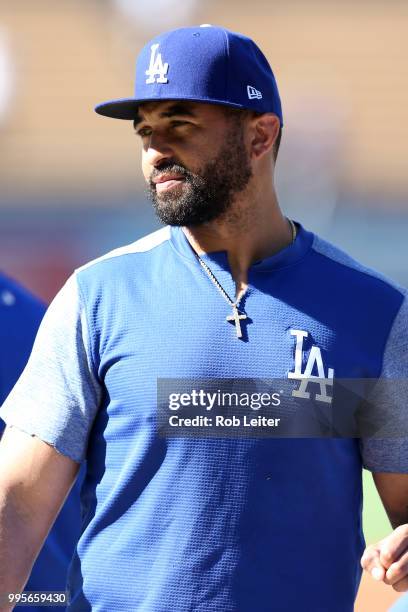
(401, 586)
(398, 572)
(371, 563)
(393, 546)
(387, 560)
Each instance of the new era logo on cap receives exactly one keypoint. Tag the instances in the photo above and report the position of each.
(253, 94)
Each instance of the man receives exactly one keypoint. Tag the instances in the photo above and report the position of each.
(228, 289)
(20, 316)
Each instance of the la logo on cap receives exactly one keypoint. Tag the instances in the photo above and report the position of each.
(157, 70)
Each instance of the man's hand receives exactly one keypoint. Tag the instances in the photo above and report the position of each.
(387, 561)
(34, 482)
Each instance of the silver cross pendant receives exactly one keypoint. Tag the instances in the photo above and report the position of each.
(235, 317)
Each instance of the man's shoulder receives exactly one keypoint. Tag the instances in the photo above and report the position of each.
(349, 270)
(146, 244)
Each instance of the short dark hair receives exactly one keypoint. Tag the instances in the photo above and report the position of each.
(241, 114)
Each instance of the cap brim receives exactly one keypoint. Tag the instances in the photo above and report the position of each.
(126, 108)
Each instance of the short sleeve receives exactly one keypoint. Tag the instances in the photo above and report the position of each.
(58, 394)
(390, 397)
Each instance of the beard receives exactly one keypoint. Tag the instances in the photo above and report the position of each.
(210, 193)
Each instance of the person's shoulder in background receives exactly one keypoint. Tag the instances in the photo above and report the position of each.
(20, 316)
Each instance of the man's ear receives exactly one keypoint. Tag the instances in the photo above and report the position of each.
(264, 132)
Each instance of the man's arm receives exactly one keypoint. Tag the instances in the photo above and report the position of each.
(34, 481)
(387, 458)
(387, 560)
(393, 491)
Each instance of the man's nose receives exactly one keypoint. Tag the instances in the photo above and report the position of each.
(158, 151)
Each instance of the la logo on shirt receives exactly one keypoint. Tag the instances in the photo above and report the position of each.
(306, 378)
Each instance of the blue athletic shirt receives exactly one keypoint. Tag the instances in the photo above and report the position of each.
(211, 524)
(20, 316)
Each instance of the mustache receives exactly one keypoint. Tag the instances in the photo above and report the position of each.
(171, 168)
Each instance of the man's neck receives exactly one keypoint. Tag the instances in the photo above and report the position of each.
(247, 233)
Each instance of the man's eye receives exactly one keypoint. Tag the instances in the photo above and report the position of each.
(146, 132)
(143, 132)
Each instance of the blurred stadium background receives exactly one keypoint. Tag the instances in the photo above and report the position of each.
(71, 187)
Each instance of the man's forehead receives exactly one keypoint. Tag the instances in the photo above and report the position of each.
(164, 106)
(170, 108)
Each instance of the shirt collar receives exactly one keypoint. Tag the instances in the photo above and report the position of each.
(218, 260)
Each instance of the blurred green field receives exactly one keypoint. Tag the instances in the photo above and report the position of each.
(375, 522)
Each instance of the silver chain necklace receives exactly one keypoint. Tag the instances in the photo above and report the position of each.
(236, 315)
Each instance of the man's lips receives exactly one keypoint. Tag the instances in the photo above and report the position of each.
(167, 181)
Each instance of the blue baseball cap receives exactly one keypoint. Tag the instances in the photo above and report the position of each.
(202, 64)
